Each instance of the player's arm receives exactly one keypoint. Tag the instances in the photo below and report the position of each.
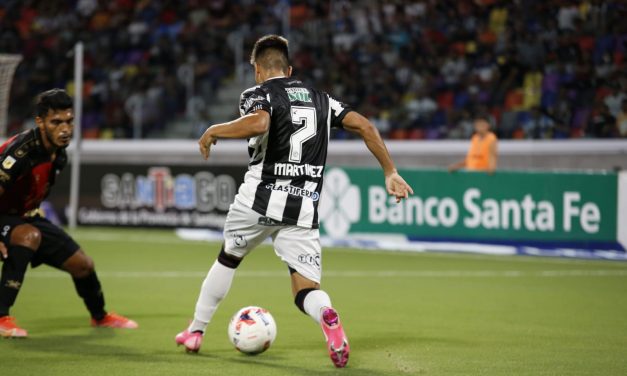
(247, 126)
(394, 183)
(4, 253)
(458, 165)
(12, 167)
(492, 157)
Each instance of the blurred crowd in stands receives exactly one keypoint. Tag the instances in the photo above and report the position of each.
(540, 69)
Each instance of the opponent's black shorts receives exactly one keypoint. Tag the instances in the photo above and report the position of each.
(56, 245)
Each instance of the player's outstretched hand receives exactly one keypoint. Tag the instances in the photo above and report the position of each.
(4, 253)
(397, 186)
(205, 143)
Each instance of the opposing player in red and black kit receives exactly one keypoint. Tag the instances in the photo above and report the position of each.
(29, 164)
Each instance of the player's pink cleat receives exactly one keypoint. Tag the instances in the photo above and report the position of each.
(113, 320)
(191, 340)
(9, 329)
(337, 343)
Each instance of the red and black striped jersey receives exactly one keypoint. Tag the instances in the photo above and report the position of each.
(27, 171)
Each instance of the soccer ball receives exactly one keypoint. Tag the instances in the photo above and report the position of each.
(252, 330)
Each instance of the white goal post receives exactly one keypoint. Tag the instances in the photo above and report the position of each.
(8, 64)
(75, 178)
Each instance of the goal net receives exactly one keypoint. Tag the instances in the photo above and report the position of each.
(8, 63)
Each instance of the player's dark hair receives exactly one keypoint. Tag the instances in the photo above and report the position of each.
(55, 99)
(271, 52)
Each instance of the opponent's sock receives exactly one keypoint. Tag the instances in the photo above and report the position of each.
(90, 290)
(314, 302)
(13, 270)
(214, 288)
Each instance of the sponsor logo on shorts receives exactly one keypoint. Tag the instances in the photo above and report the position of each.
(294, 191)
(266, 221)
(239, 240)
(313, 260)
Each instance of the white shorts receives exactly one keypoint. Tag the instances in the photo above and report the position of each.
(298, 247)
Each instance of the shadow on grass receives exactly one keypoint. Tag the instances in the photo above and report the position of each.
(364, 347)
(84, 345)
(278, 363)
(70, 336)
(87, 346)
(66, 337)
(402, 340)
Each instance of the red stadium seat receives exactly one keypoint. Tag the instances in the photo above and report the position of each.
(399, 134)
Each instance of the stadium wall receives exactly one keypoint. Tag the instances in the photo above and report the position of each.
(536, 155)
(622, 208)
(167, 184)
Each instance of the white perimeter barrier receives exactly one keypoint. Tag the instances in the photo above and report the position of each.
(565, 154)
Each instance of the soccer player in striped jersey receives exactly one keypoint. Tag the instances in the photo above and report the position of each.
(287, 124)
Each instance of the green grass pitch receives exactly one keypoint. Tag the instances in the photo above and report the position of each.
(405, 314)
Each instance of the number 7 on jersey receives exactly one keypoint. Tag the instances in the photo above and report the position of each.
(305, 116)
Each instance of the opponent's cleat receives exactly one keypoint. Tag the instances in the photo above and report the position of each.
(191, 341)
(9, 329)
(337, 343)
(113, 320)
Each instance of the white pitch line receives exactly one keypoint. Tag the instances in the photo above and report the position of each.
(362, 274)
(146, 239)
(160, 239)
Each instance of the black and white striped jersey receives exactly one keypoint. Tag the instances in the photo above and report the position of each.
(284, 178)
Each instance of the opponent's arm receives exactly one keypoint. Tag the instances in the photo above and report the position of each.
(247, 126)
(395, 184)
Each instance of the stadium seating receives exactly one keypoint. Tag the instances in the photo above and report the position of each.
(564, 58)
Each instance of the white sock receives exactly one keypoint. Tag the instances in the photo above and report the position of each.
(314, 302)
(214, 288)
